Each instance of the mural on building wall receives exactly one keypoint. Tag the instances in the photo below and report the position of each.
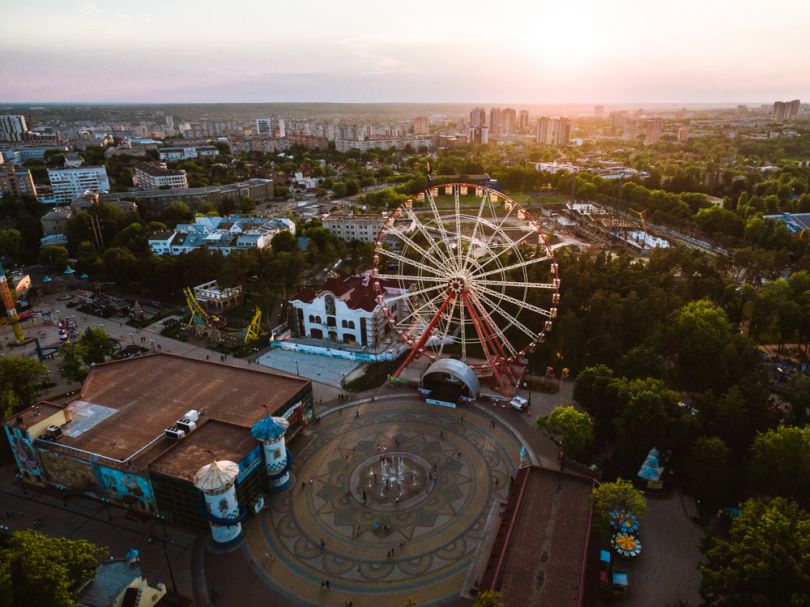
(69, 472)
(24, 452)
(128, 490)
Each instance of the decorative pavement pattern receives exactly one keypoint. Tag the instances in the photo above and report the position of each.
(388, 503)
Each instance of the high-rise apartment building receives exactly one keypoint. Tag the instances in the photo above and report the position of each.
(509, 120)
(683, 134)
(68, 184)
(523, 121)
(553, 131)
(495, 122)
(653, 133)
(479, 135)
(420, 125)
(785, 110)
(599, 111)
(271, 127)
(12, 127)
(16, 182)
(478, 117)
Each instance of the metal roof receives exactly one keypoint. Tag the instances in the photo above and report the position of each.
(458, 369)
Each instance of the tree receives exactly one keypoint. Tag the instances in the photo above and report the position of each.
(119, 264)
(20, 379)
(592, 391)
(699, 335)
(647, 412)
(283, 241)
(617, 496)
(574, 429)
(780, 463)
(95, 346)
(41, 571)
(72, 366)
(488, 598)
(708, 468)
(53, 256)
(764, 561)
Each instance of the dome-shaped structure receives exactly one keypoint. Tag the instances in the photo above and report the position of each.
(456, 371)
(216, 476)
(269, 428)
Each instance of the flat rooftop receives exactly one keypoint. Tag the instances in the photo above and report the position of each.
(540, 554)
(214, 439)
(125, 405)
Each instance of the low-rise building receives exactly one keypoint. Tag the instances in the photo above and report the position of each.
(139, 429)
(345, 311)
(223, 234)
(216, 298)
(258, 190)
(120, 583)
(364, 228)
(155, 176)
(386, 143)
(73, 160)
(188, 152)
(55, 220)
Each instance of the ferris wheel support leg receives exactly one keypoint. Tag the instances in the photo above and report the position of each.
(491, 359)
(500, 358)
(420, 344)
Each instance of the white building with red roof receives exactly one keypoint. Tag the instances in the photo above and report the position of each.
(345, 311)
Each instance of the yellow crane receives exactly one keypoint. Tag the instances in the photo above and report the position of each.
(8, 302)
(254, 329)
(641, 215)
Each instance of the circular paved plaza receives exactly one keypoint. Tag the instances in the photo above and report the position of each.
(388, 505)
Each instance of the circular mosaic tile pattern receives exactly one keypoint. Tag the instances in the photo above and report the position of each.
(387, 505)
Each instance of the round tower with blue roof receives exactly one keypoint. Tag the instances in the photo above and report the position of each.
(277, 458)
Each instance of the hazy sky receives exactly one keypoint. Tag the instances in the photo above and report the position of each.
(530, 51)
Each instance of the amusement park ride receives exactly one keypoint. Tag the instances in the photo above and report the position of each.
(11, 310)
(201, 321)
(480, 280)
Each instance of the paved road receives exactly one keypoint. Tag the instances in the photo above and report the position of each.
(149, 338)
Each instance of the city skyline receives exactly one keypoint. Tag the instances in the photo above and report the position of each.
(422, 52)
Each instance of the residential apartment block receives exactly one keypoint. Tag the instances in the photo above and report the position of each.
(155, 176)
(68, 184)
(189, 152)
(16, 182)
(355, 227)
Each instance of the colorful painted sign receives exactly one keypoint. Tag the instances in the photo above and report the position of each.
(441, 403)
(24, 453)
(128, 490)
(65, 471)
(249, 463)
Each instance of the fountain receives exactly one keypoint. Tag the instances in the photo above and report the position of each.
(391, 480)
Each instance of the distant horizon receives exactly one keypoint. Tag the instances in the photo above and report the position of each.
(425, 51)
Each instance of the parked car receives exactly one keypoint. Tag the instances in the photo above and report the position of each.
(519, 403)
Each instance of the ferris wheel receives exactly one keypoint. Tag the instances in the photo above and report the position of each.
(464, 271)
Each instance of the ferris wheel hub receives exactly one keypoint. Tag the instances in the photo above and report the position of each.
(457, 284)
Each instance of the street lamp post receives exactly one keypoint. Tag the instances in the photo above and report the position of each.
(297, 369)
(132, 337)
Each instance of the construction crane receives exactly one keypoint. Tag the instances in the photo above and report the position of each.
(11, 311)
(254, 329)
(198, 315)
(641, 215)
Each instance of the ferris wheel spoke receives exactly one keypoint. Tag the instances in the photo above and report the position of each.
(463, 317)
(509, 283)
(478, 288)
(457, 196)
(412, 262)
(428, 237)
(407, 240)
(412, 278)
(475, 229)
(512, 247)
(447, 325)
(493, 325)
(408, 294)
(503, 221)
(512, 320)
(440, 225)
(427, 304)
(514, 266)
